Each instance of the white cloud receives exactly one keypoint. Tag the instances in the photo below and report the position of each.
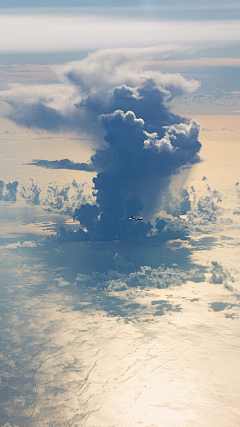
(63, 199)
(107, 68)
(219, 99)
(61, 281)
(219, 275)
(9, 425)
(60, 32)
(26, 244)
(60, 97)
(147, 277)
(100, 72)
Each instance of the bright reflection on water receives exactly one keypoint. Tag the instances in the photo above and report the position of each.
(73, 354)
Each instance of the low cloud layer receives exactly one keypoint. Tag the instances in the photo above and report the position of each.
(220, 100)
(63, 164)
(142, 144)
(76, 31)
(146, 277)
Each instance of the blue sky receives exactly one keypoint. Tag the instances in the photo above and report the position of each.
(212, 9)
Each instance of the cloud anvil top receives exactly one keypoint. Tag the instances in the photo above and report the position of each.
(45, 33)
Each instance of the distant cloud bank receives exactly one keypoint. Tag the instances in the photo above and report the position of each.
(61, 32)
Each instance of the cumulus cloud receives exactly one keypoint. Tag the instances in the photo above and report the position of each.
(205, 210)
(86, 86)
(161, 277)
(106, 69)
(31, 193)
(141, 142)
(178, 204)
(219, 275)
(8, 191)
(61, 282)
(219, 98)
(63, 199)
(26, 244)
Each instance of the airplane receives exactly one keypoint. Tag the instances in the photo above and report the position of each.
(136, 219)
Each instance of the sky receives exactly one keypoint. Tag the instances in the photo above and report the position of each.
(109, 111)
(203, 40)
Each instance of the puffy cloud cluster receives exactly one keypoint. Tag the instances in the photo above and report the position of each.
(178, 204)
(219, 275)
(205, 210)
(26, 244)
(63, 199)
(219, 98)
(8, 191)
(61, 282)
(146, 277)
(114, 96)
(31, 193)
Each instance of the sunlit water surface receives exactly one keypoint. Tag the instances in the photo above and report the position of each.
(76, 355)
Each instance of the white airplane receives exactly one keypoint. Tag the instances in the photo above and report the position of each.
(136, 219)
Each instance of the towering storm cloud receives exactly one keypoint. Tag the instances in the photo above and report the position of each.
(115, 96)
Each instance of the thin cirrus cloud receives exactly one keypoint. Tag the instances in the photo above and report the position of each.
(199, 62)
(47, 32)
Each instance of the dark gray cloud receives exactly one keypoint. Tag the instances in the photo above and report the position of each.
(63, 164)
(39, 116)
(141, 142)
(220, 306)
(135, 167)
(163, 306)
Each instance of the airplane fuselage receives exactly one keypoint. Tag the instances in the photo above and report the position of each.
(136, 219)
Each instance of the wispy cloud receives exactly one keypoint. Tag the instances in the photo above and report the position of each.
(63, 164)
(199, 62)
(26, 73)
(46, 32)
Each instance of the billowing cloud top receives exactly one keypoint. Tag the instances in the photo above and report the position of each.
(111, 94)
